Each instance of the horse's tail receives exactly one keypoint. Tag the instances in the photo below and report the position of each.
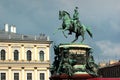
(89, 32)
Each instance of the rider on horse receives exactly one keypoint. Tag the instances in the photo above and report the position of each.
(76, 14)
(73, 25)
(76, 21)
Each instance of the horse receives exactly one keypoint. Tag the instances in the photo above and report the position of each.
(69, 24)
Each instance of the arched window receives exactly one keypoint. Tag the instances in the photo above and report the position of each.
(29, 53)
(16, 55)
(41, 55)
(2, 55)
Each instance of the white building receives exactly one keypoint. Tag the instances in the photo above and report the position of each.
(23, 57)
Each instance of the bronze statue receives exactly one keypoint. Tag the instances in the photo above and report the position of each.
(73, 25)
(73, 59)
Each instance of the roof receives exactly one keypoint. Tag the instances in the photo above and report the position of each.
(111, 65)
(9, 36)
(115, 64)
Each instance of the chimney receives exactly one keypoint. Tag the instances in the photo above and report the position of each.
(12, 28)
(6, 28)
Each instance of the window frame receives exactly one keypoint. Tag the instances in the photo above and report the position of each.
(2, 54)
(27, 77)
(17, 76)
(1, 77)
(41, 55)
(16, 55)
(29, 55)
(41, 76)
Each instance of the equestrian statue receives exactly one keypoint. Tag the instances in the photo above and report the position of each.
(73, 25)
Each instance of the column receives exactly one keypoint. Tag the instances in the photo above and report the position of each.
(9, 73)
(35, 53)
(48, 53)
(9, 52)
(47, 74)
(22, 53)
(23, 74)
(35, 74)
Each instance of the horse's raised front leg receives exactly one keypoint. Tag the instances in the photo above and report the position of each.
(61, 30)
(57, 30)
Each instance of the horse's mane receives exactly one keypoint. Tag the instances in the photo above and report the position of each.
(67, 13)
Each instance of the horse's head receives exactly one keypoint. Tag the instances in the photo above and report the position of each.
(63, 14)
(66, 13)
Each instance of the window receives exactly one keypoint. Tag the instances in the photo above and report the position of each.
(29, 76)
(16, 76)
(29, 55)
(2, 56)
(2, 76)
(42, 76)
(16, 55)
(41, 55)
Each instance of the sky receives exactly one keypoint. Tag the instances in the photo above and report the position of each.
(33, 17)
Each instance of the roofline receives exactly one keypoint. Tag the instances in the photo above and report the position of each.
(26, 41)
(111, 65)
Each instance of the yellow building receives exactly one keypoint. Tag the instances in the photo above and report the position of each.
(23, 57)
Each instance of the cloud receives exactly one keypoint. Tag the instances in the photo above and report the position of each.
(108, 48)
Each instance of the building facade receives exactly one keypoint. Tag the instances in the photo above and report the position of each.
(110, 71)
(23, 57)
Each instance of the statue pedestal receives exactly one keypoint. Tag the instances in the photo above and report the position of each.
(73, 62)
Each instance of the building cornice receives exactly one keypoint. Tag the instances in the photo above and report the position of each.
(25, 63)
(25, 41)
